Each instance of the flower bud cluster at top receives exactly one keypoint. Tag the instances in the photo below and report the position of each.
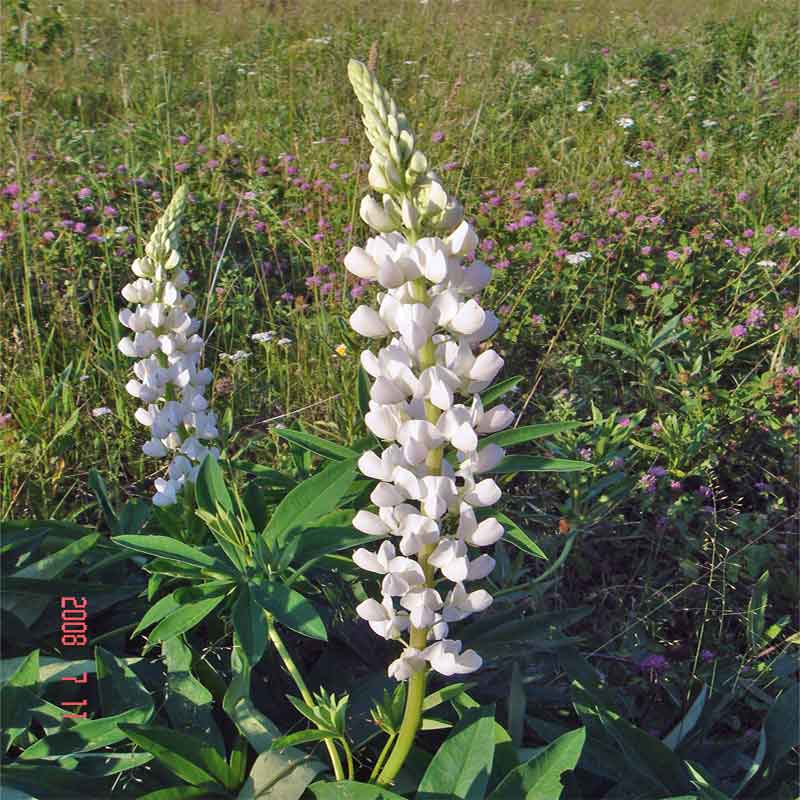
(168, 379)
(425, 396)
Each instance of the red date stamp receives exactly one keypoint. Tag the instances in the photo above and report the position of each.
(74, 634)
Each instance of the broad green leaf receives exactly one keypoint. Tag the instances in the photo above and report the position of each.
(314, 444)
(279, 776)
(516, 536)
(621, 346)
(164, 607)
(118, 686)
(540, 778)
(189, 704)
(184, 618)
(527, 433)
(351, 790)
(461, 767)
(687, 723)
(646, 756)
(539, 464)
(756, 610)
(86, 735)
(210, 489)
(314, 497)
(16, 711)
(289, 608)
(172, 550)
(45, 781)
(495, 392)
(190, 758)
(26, 675)
(104, 763)
(251, 625)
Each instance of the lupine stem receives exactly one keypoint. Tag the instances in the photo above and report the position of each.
(294, 672)
(382, 757)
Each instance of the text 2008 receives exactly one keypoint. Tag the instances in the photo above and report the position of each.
(73, 634)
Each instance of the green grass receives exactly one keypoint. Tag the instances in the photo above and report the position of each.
(502, 81)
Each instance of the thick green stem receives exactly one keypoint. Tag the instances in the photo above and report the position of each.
(382, 757)
(292, 669)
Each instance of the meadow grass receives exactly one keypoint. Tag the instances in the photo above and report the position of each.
(676, 338)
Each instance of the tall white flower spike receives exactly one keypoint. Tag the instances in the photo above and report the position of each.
(424, 397)
(168, 379)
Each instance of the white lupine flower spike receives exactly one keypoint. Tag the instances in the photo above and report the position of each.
(169, 381)
(424, 397)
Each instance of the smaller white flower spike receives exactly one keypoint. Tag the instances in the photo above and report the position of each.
(168, 382)
(424, 398)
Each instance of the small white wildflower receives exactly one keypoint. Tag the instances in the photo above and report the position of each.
(625, 122)
(709, 123)
(631, 83)
(284, 342)
(263, 336)
(578, 258)
(584, 105)
(691, 98)
(101, 411)
(631, 164)
(767, 262)
(235, 358)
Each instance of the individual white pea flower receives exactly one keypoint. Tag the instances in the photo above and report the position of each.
(450, 557)
(367, 322)
(418, 437)
(481, 494)
(400, 573)
(482, 534)
(439, 493)
(416, 532)
(380, 217)
(383, 618)
(459, 604)
(422, 603)
(446, 658)
(438, 384)
(409, 662)
(439, 629)
(166, 492)
(381, 467)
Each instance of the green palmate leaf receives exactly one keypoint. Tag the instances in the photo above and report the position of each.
(539, 464)
(210, 490)
(314, 444)
(184, 618)
(362, 388)
(189, 704)
(191, 759)
(250, 624)
(540, 778)
(756, 609)
(516, 536)
(302, 737)
(314, 497)
(172, 550)
(118, 686)
(351, 790)
(289, 608)
(461, 767)
(87, 735)
(527, 433)
(164, 607)
(491, 395)
(279, 776)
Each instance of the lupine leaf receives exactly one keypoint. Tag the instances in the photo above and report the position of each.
(311, 499)
(539, 464)
(462, 765)
(351, 790)
(540, 778)
(528, 433)
(290, 608)
(315, 444)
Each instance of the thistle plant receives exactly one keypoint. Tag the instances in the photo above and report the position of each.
(424, 397)
(167, 378)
